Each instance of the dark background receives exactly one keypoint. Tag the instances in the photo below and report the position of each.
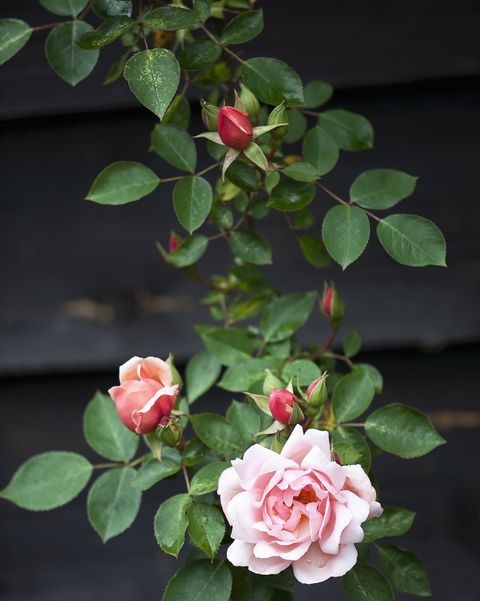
(83, 288)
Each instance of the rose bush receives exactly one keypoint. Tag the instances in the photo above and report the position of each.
(292, 458)
(296, 507)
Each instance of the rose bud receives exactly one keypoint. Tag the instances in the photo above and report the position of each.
(278, 116)
(332, 305)
(209, 115)
(170, 431)
(249, 101)
(173, 242)
(146, 393)
(234, 128)
(281, 403)
(317, 392)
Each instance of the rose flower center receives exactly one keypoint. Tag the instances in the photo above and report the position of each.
(306, 495)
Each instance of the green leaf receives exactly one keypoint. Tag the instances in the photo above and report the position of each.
(175, 146)
(113, 502)
(70, 62)
(290, 195)
(248, 586)
(115, 71)
(112, 8)
(201, 374)
(412, 240)
(404, 571)
(64, 8)
(302, 172)
(320, 150)
(218, 434)
(272, 81)
(178, 112)
(306, 370)
(201, 8)
(243, 28)
(297, 126)
(48, 480)
(314, 251)
(403, 431)
(153, 471)
(395, 521)
(200, 580)
(171, 523)
(240, 376)
(189, 252)
(382, 188)
(192, 200)
(206, 479)
(364, 583)
(345, 231)
(352, 344)
(250, 247)
(227, 345)
(317, 93)
(199, 55)
(123, 182)
(109, 31)
(352, 396)
(373, 373)
(248, 420)
(171, 18)
(153, 76)
(206, 527)
(350, 131)
(104, 431)
(14, 34)
(286, 315)
(351, 447)
(243, 176)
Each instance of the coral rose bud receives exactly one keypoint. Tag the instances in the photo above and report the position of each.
(146, 393)
(332, 305)
(281, 403)
(317, 392)
(234, 128)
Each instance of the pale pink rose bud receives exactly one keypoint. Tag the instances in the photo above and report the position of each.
(281, 403)
(234, 128)
(146, 393)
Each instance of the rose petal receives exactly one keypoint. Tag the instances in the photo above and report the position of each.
(156, 369)
(316, 566)
(128, 371)
(239, 553)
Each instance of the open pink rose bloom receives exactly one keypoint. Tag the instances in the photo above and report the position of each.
(296, 508)
(145, 395)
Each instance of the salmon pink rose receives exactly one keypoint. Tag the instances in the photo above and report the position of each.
(146, 393)
(296, 508)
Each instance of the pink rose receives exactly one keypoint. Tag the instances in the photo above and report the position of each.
(145, 394)
(296, 508)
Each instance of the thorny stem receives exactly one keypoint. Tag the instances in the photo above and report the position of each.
(47, 26)
(179, 177)
(222, 46)
(344, 202)
(133, 463)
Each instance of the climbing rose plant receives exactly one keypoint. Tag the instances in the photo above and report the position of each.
(281, 488)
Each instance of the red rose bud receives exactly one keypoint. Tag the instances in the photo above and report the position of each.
(209, 115)
(317, 392)
(234, 128)
(281, 403)
(332, 305)
(173, 243)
